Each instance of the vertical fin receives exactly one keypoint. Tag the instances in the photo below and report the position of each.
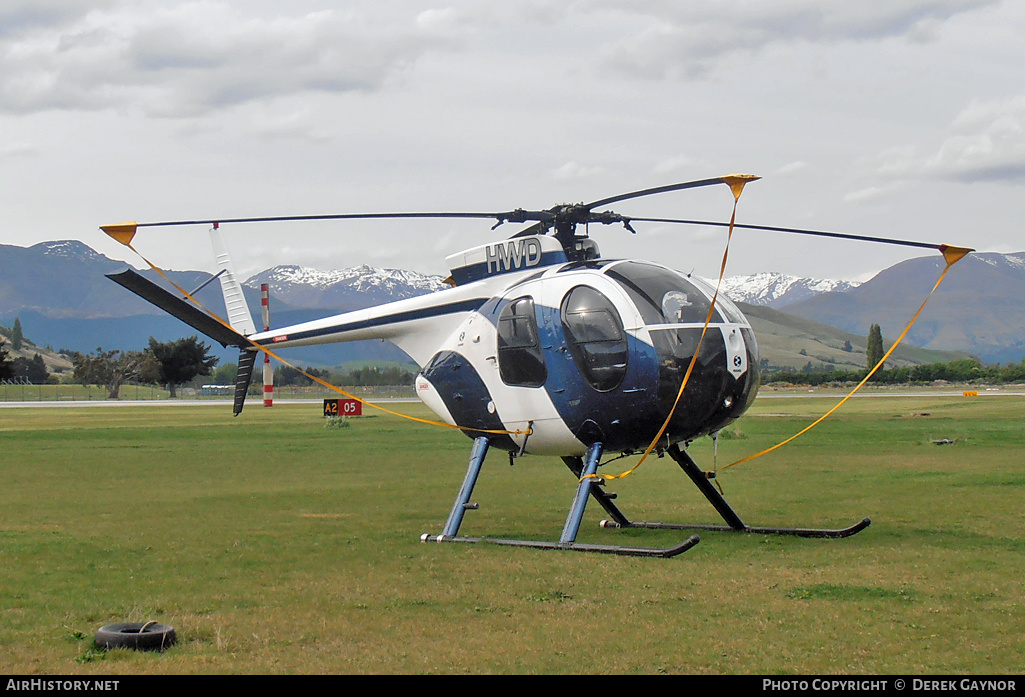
(246, 361)
(234, 300)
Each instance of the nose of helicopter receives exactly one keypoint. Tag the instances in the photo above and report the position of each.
(722, 383)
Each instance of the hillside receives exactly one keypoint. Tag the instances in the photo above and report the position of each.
(978, 309)
(56, 363)
(782, 337)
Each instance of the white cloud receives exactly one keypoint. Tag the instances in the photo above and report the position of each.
(688, 39)
(297, 123)
(873, 192)
(197, 57)
(383, 105)
(574, 170)
(19, 16)
(680, 163)
(985, 142)
(17, 150)
(792, 167)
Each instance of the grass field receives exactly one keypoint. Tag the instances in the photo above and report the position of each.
(276, 545)
(93, 393)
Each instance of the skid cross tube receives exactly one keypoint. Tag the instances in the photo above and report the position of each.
(733, 520)
(586, 488)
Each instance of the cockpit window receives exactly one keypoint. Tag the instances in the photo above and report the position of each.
(661, 295)
(596, 337)
(520, 359)
(729, 310)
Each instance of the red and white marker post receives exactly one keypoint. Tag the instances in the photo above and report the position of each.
(268, 372)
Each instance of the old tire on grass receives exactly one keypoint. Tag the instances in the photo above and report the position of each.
(142, 636)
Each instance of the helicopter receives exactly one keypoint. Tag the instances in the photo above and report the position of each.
(540, 346)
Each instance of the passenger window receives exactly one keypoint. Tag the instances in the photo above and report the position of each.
(596, 337)
(520, 359)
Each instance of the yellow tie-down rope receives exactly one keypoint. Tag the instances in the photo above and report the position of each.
(736, 183)
(951, 255)
(125, 232)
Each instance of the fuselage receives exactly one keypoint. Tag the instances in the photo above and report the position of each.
(575, 352)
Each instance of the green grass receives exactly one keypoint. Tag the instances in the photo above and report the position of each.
(92, 393)
(75, 393)
(276, 545)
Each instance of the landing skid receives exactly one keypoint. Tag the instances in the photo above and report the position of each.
(734, 523)
(589, 487)
(662, 552)
(754, 530)
(586, 488)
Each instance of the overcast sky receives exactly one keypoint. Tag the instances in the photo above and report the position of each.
(897, 118)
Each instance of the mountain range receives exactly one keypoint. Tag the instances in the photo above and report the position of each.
(344, 289)
(978, 309)
(777, 290)
(59, 291)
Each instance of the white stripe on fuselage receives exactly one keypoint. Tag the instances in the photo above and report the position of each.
(420, 337)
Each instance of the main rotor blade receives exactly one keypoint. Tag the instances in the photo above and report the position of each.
(818, 233)
(663, 189)
(343, 216)
(544, 219)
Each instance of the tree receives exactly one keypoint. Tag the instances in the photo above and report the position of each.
(286, 375)
(6, 368)
(109, 369)
(874, 351)
(225, 374)
(34, 371)
(16, 335)
(180, 361)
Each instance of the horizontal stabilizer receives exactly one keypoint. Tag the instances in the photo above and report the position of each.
(175, 306)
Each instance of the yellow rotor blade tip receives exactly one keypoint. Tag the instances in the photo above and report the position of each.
(736, 182)
(122, 232)
(952, 254)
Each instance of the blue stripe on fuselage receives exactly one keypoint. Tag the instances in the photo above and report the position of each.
(465, 396)
(620, 418)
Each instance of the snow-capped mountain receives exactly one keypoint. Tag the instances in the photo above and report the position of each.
(340, 289)
(359, 286)
(777, 290)
(68, 249)
(1012, 262)
(301, 286)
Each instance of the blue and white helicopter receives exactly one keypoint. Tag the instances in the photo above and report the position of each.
(540, 346)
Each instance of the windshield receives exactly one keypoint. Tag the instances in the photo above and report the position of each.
(662, 296)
